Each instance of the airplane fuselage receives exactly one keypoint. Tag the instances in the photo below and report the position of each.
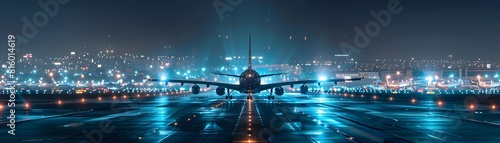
(249, 81)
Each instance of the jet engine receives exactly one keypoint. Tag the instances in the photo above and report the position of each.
(195, 89)
(220, 91)
(279, 91)
(304, 89)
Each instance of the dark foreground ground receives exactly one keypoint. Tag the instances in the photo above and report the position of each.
(317, 118)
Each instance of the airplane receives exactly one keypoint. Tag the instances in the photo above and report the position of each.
(399, 85)
(250, 82)
(485, 85)
(447, 85)
(394, 86)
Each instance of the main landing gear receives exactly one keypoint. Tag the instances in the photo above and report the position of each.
(270, 96)
(229, 96)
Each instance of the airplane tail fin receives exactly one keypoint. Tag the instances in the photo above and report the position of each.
(249, 51)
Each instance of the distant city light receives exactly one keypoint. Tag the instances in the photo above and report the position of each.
(163, 78)
(322, 78)
(429, 78)
(203, 69)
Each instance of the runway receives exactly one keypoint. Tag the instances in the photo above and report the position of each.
(206, 117)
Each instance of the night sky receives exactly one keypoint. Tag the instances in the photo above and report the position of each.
(423, 29)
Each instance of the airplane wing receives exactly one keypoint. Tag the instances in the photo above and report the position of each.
(226, 74)
(273, 85)
(266, 75)
(225, 85)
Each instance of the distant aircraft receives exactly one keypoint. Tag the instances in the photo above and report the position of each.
(399, 85)
(394, 86)
(485, 85)
(250, 82)
(447, 85)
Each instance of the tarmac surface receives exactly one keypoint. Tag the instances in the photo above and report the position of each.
(206, 117)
